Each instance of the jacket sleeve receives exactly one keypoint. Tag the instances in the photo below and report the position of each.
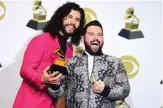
(32, 57)
(63, 86)
(55, 94)
(120, 90)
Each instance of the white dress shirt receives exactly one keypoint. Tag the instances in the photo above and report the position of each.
(90, 63)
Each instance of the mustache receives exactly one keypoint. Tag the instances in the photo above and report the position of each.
(92, 42)
(73, 25)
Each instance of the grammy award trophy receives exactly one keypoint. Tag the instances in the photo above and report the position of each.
(131, 26)
(39, 16)
(59, 64)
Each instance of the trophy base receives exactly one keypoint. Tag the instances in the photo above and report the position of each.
(36, 25)
(54, 87)
(131, 34)
(61, 69)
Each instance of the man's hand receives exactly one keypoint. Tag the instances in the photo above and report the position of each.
(97, 86)
(53, 78)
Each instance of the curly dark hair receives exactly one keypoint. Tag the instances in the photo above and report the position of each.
(55, 23)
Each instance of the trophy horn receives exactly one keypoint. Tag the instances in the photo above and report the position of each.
(129, 13)
(36, 5)
(59, 52)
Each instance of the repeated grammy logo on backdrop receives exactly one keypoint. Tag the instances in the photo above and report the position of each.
(2, 10)
(131, 26)
(39, 16)
(89, 15)
(78, 50)
(131, 65)
(2, 14)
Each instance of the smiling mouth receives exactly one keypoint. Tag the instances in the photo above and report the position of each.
(95, 43)
(71, 27)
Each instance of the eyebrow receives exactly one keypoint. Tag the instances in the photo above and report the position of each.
(100, 33)
(78, 19)
(73, 16)
(94, 32)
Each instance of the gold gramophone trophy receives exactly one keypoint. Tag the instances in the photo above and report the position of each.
(131, 26)
(59, 64)
(39, 16)
(2, 10)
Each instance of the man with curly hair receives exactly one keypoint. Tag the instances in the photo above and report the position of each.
(66, 23)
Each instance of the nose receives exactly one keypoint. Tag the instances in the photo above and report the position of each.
(95, 36)
(73, 21)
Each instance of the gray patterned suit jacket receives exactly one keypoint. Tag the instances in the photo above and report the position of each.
(77, 86)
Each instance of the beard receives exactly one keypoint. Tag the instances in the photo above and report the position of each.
(91, 52)
(63, 30)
